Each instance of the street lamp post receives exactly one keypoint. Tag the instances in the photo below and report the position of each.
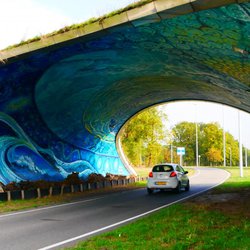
(171, 150)
(197, 146)
(245, 157)
(199, 160)
(230, 150)
(240, 146)
(224, 138)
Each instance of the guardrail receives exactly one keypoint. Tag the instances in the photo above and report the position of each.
(63, 189)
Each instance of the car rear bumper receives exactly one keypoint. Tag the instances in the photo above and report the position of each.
(162, 184)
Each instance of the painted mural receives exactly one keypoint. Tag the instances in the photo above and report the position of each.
(22, 159)
(61, 109)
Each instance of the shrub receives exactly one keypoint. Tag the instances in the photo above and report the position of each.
(43, 184)
(12, 186)
(95, 178)
(72, 179)
(114, 177)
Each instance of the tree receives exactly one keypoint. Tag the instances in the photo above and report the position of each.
(142, 136)
(184, 136)
(214, 155)
(210, 140)
(232, 150)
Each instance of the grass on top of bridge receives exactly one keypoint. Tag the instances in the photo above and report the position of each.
(218, 219)
(83, 24)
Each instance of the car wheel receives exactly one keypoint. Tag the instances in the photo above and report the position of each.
(150, 191)
(187, 187)
(178, 188)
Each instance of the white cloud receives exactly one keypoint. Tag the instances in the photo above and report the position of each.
(21, 20)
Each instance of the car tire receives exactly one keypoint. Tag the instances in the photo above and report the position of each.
(150, 191)
(187, 187)
(177, 190)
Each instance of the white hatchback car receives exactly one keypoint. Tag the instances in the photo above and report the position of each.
(168, 176)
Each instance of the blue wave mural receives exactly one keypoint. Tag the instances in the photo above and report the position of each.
(21, 159)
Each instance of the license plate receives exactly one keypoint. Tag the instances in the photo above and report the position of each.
(161, 183)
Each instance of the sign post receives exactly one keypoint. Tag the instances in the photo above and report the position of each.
(180, 152)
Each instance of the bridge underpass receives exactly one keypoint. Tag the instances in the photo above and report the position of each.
(64, 99)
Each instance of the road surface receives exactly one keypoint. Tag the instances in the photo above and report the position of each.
(63, 225)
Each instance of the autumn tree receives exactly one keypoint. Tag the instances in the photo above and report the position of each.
(142, 137)
(146, 142)
(183, 135)
(210, 141)
(214, 156)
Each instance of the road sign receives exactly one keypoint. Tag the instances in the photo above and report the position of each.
(180, 151)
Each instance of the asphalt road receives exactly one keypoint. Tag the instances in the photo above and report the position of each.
(60, 226)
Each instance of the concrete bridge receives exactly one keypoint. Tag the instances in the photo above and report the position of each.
(64, 98)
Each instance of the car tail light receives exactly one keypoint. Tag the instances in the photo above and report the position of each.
(173, 174)
(150, 174)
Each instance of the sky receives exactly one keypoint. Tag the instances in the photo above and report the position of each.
(24, 19)
(196, 111)
(21, 20)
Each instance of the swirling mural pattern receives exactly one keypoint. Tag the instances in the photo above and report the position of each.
(21, 159)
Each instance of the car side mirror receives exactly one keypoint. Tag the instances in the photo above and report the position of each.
(185, 172)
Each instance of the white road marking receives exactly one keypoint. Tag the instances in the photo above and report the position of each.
(55, 206)
(129, 219)
(196, 174)
(68, 204)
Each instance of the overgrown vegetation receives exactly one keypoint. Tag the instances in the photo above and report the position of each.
(83, 24)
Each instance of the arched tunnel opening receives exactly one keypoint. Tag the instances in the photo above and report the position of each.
(208, 131)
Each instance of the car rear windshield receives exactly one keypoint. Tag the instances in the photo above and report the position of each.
(162, 168)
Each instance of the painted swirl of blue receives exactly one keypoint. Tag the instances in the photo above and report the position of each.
(21, 159)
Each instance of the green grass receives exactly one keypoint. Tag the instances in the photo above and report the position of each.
(195, 224)
(178, 227)
(236, 182)
(16, 205)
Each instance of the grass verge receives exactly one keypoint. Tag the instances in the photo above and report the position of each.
(219, 219)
